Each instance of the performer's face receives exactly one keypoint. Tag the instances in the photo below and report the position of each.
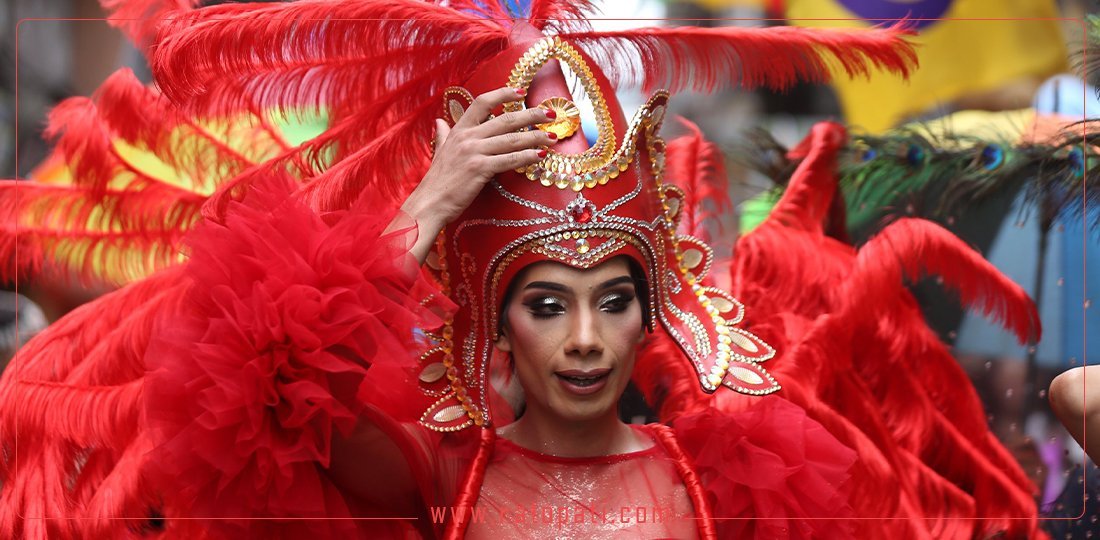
(573, 335)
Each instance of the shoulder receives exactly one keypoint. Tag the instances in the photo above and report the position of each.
(663, 437)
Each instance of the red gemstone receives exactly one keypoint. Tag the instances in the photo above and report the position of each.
(582, 214)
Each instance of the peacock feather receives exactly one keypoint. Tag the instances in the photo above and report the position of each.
(939, 174)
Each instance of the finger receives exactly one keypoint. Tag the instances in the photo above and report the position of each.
(516, 141)
(485, 103)
(515, 120)
(514, 160)
(442, 130)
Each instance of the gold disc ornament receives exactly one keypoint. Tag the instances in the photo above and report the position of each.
(568, 120)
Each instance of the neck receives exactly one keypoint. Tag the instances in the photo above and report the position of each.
(602, 436)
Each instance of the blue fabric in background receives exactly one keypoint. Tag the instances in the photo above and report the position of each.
(1068, 326)
(1067, 95)
(1014, 253)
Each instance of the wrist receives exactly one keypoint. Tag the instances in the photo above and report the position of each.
(428, 222)
(428, 225)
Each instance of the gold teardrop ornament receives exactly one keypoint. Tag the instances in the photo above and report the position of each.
(744, 342)
(433, 372)
(746, 375)
(692, 258)
(673, 205)
(456, 110)
(721, 304)
(449, 414)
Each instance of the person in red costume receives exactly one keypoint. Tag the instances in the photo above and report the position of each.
(338, 355)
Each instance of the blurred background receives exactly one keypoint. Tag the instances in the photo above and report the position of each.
(986, 79)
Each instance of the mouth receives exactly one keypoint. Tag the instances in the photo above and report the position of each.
(583, 382)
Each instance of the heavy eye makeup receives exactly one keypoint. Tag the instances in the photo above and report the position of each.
(617, 301)
(544, 306)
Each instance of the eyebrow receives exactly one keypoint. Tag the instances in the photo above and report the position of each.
(616, 281)
(548, 285)
(552, 286)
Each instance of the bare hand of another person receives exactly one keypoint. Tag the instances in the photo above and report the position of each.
(1076, 401)
(468, 156)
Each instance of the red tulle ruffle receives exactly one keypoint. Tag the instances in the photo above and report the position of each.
(287, 313)
(770, 471)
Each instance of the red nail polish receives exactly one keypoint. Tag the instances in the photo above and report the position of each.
(553, 136)
(542, 153)
(551, 114)
(521, 92)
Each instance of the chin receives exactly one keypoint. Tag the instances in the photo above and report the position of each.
(572, 413)
(572, 409)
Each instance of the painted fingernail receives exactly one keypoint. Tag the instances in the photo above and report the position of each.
(542, 153)
(553, 136)
(551, 114)
(521, 92)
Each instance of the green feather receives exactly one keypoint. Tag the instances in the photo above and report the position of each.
(939, 177)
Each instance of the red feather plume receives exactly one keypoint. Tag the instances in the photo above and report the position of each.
(198, 52)
(115, 236)
(371, 63)
(82, 140)
(71, 436)
(380, 66)
(90, 416)
(138, 173)
(856, 353)
(695, 165)
(912, 248)
(709, 58)
(205, 150)
(561, 15)
(139, 19)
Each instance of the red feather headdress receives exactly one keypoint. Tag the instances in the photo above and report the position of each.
(379, 68)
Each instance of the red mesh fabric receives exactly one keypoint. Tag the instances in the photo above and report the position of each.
(531, 495)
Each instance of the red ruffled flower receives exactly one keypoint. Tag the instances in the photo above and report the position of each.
(286, 314)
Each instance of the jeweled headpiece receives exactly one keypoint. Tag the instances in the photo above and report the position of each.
(580, 205)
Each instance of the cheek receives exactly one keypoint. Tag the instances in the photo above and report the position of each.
(533, 351)
(625, 334)
(533, 341)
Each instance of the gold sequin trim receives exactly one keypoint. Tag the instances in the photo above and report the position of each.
(595, 165)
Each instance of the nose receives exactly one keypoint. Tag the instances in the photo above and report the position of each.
(584, 336)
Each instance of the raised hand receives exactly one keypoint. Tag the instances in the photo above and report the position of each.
(467, 157)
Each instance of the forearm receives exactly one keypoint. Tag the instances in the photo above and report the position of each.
(369, 467)
(1075, 398)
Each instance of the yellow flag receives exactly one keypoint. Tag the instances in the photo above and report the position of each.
(959, 55)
